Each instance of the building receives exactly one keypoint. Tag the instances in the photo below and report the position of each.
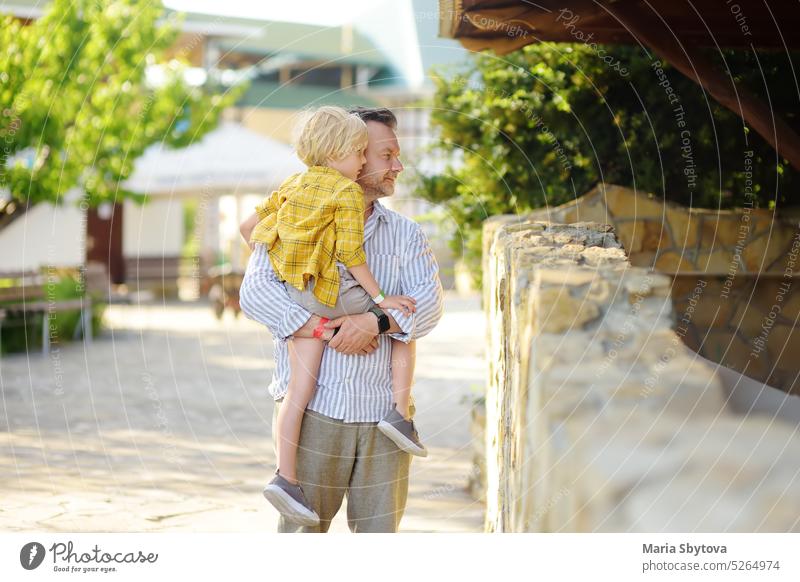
(378, 59)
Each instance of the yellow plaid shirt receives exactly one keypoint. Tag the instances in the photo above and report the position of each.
(313, 220)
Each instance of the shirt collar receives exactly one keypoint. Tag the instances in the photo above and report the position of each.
(379, 214)
(379, 211)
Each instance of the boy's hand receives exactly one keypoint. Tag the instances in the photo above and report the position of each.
(407, 304)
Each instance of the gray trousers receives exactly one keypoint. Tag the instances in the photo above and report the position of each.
(335, 458)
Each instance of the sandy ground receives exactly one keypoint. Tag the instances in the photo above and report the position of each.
(163, 424)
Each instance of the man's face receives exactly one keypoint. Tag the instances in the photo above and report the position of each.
(378, 175)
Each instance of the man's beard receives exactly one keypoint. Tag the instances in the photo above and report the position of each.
(377, 186)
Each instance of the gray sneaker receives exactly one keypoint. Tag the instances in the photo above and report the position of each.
(290, 500)
(402, 432)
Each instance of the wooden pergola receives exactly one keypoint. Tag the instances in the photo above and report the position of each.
(674, 30)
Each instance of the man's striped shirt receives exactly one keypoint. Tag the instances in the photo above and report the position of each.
(353, 388)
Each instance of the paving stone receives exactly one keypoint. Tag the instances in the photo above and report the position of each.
(163, 424)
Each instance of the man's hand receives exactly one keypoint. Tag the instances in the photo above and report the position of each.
(358, 334)
(307, 330)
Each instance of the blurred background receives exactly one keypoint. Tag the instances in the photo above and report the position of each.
(658, 138)
(136, 136)
(203, 131)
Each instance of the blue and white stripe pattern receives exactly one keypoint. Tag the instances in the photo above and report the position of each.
(353, 388)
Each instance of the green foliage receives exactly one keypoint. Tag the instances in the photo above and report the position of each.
(542, 125)
(61, 286)
(73, 93)
(22, 331)
(191, 242)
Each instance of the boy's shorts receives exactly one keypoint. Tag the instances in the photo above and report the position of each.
(352, 300)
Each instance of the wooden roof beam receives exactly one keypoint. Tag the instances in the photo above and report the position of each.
(651, 31)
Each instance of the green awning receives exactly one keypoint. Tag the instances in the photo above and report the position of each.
(298, 96)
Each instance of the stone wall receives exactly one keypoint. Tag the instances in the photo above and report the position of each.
(672, 238)
(745, 255)
(748, 324)
(598, 418)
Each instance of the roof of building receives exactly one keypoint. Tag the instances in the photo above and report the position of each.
(292, 96)
(506, 25)
(341, 44)
(252, 35)
(229, 158)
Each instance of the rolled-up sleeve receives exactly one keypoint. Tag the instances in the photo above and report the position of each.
(419, 278)
(270, 205)
(274, 201)
(349, 221)
(264, 299)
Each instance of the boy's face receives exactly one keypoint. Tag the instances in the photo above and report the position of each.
(378, 175)
(350, 165)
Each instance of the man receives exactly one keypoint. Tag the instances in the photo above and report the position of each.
(341, 451)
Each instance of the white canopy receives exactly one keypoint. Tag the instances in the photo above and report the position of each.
(228, 160)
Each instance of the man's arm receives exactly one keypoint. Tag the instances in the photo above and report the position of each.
(264, 299)
(420, 280)
(247, 227)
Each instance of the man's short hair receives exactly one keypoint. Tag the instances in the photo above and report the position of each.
(379, 114)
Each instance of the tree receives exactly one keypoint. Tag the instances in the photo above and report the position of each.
(544, 124)
(75, 103)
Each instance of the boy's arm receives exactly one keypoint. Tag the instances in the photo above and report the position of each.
(362, 274)
(349, 222)
(269, 206)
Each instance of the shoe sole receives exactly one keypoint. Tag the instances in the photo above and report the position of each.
(288, 507)
(401, 440)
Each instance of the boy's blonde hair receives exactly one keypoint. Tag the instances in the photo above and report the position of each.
(329, 133)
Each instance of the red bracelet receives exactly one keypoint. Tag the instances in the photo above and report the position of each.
(320, 329)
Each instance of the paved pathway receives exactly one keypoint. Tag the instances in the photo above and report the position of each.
(163, 424)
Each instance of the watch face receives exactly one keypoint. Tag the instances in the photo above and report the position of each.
(383, 319)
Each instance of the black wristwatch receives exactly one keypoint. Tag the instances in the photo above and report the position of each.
(383, 319)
